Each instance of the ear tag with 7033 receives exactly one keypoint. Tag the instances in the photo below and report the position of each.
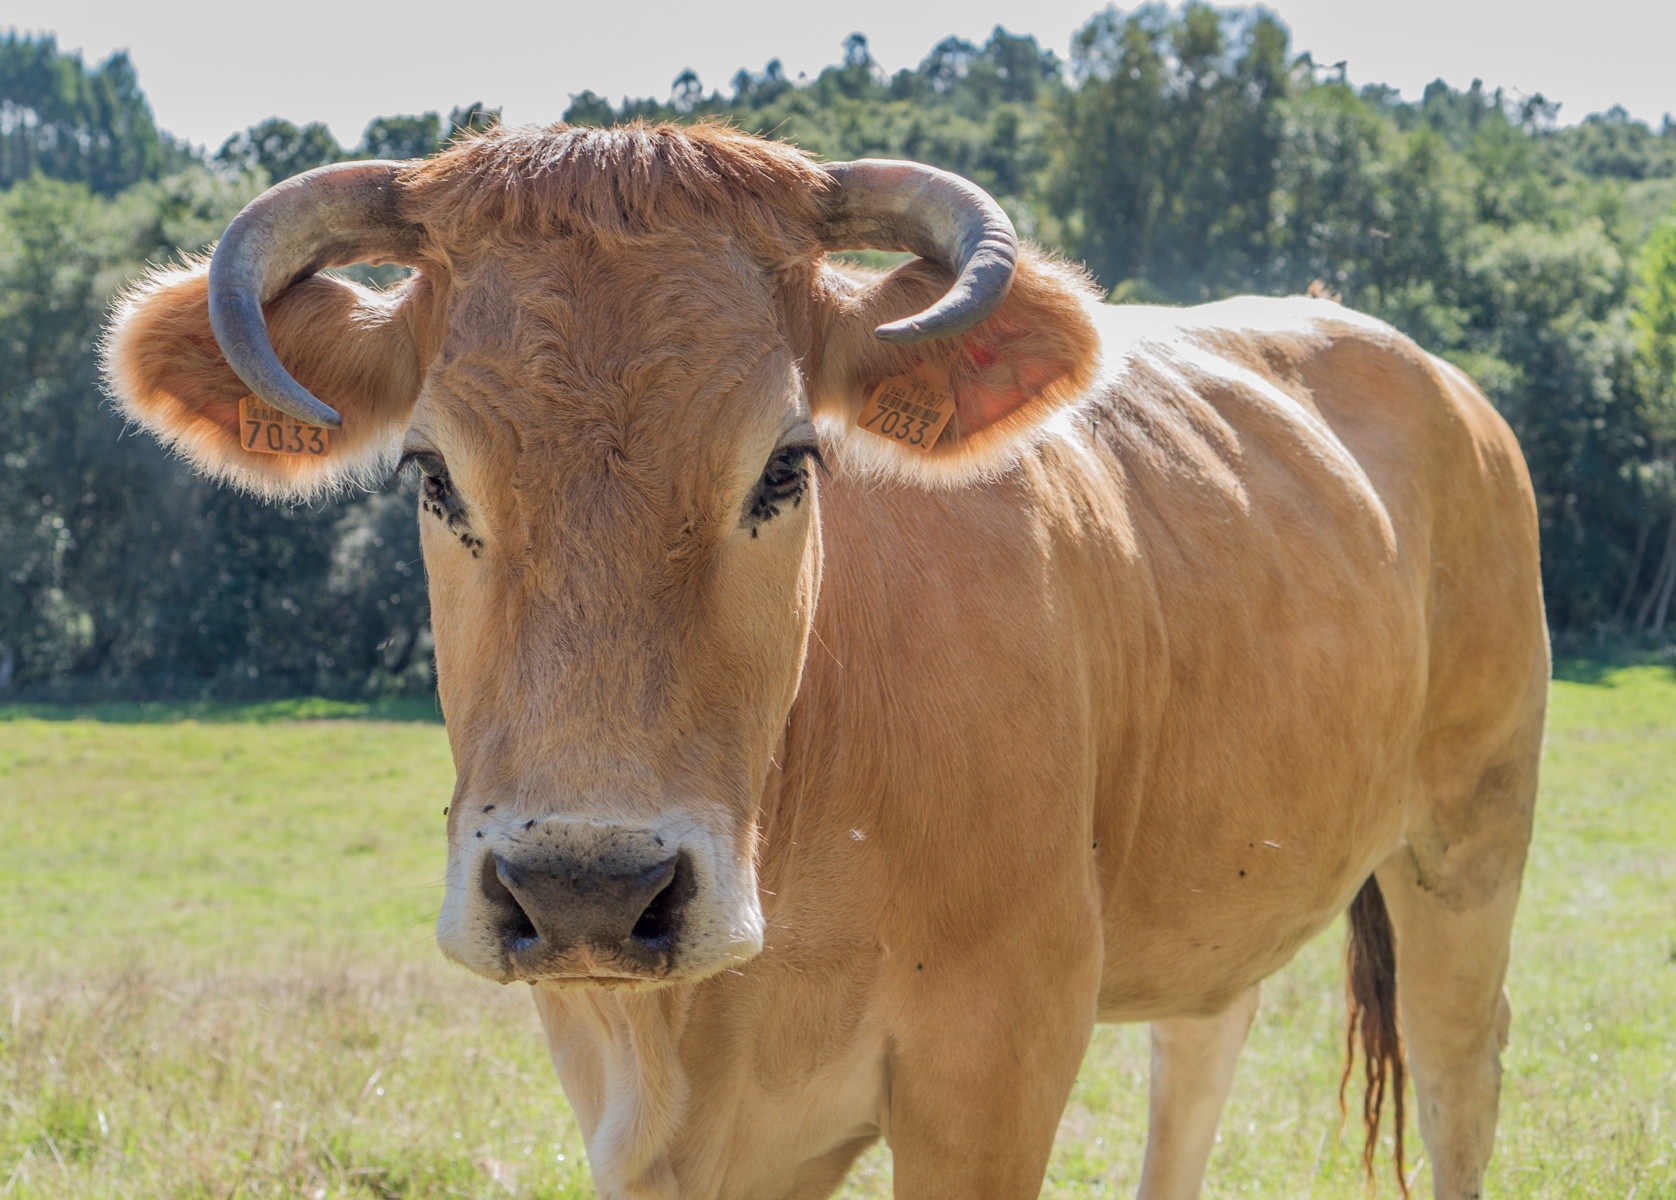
(266, 430)
(910, 409)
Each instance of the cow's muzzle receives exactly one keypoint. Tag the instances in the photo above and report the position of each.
(618, 913)
(558, 899)
(564, 899)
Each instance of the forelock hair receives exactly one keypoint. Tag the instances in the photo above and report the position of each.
(620, 185)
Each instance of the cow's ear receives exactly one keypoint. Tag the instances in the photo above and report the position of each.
(354, 349)
(1005, 379)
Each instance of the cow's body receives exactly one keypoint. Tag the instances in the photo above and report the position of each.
(1189, 755)
(1189, 622)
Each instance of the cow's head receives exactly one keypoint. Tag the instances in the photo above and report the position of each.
(618, 364)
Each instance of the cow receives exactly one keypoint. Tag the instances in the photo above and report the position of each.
(861, 684)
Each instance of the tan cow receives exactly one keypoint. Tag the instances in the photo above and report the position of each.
(825, 805)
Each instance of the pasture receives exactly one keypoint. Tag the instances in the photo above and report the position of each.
(217, 979)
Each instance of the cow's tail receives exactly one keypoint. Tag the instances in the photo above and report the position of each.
(1370, 987)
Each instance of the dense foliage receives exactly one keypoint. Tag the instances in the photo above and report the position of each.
(1183, 156)
(122, 572)
(68, 122)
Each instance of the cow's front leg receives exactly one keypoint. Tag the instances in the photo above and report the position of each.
(1192, 1070)
(979, 1081)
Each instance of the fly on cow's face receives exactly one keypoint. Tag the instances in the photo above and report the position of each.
(783, 482)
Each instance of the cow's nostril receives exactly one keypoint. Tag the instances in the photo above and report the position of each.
(520, 930)
(654, 922)
(513, 924)
(657, 924)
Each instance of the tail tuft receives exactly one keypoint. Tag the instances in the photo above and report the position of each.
(1370, 987)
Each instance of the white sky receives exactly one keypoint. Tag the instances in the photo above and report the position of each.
(211, 68)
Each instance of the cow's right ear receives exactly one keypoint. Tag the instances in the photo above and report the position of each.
(355, 349)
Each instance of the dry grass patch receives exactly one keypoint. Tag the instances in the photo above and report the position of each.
(334, 1081)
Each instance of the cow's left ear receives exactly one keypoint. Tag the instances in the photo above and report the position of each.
(1004, 379)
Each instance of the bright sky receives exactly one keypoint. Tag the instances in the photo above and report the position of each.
(211, 68)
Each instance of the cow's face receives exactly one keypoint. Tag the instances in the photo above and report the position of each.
(619, 392)
(623, 550)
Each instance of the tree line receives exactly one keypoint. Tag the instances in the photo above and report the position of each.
(1183, 156)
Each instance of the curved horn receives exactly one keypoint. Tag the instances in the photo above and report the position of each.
(884, 205)
(329, 217)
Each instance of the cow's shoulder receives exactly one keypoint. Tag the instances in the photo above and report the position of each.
(1361, 374)
(1297, 344)
(1217, 389)
(1325, 372)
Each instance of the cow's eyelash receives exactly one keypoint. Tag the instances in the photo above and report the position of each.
(790, 465)
(438, 497)
(429, 462)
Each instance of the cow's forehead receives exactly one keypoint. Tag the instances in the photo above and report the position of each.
(682, 314)
(666, 404)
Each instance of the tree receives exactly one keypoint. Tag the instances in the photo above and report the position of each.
(859, 74)
(949, 62)
(1023, 68)
(402, 137)
(686, 92)
(280, 148)
(588, 109)
(754, 91)
(1654, 320)
(472, 118)
(1614, 145)
(1167, 146)
(72, 122)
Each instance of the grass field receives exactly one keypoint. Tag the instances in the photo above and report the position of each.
(217, 979)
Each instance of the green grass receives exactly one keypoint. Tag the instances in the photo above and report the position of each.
(218, 712)
(187, 846)
(216, 978)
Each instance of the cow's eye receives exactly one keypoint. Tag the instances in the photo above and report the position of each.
(436, 487)
(783, 482)
(437, 495)
(787, 473)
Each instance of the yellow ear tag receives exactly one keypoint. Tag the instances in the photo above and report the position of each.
(911, 409)
(265, 430)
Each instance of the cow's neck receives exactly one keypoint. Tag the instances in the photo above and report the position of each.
(616, 1053)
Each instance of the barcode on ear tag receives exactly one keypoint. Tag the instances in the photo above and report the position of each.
(265, 430)
(910, 409)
